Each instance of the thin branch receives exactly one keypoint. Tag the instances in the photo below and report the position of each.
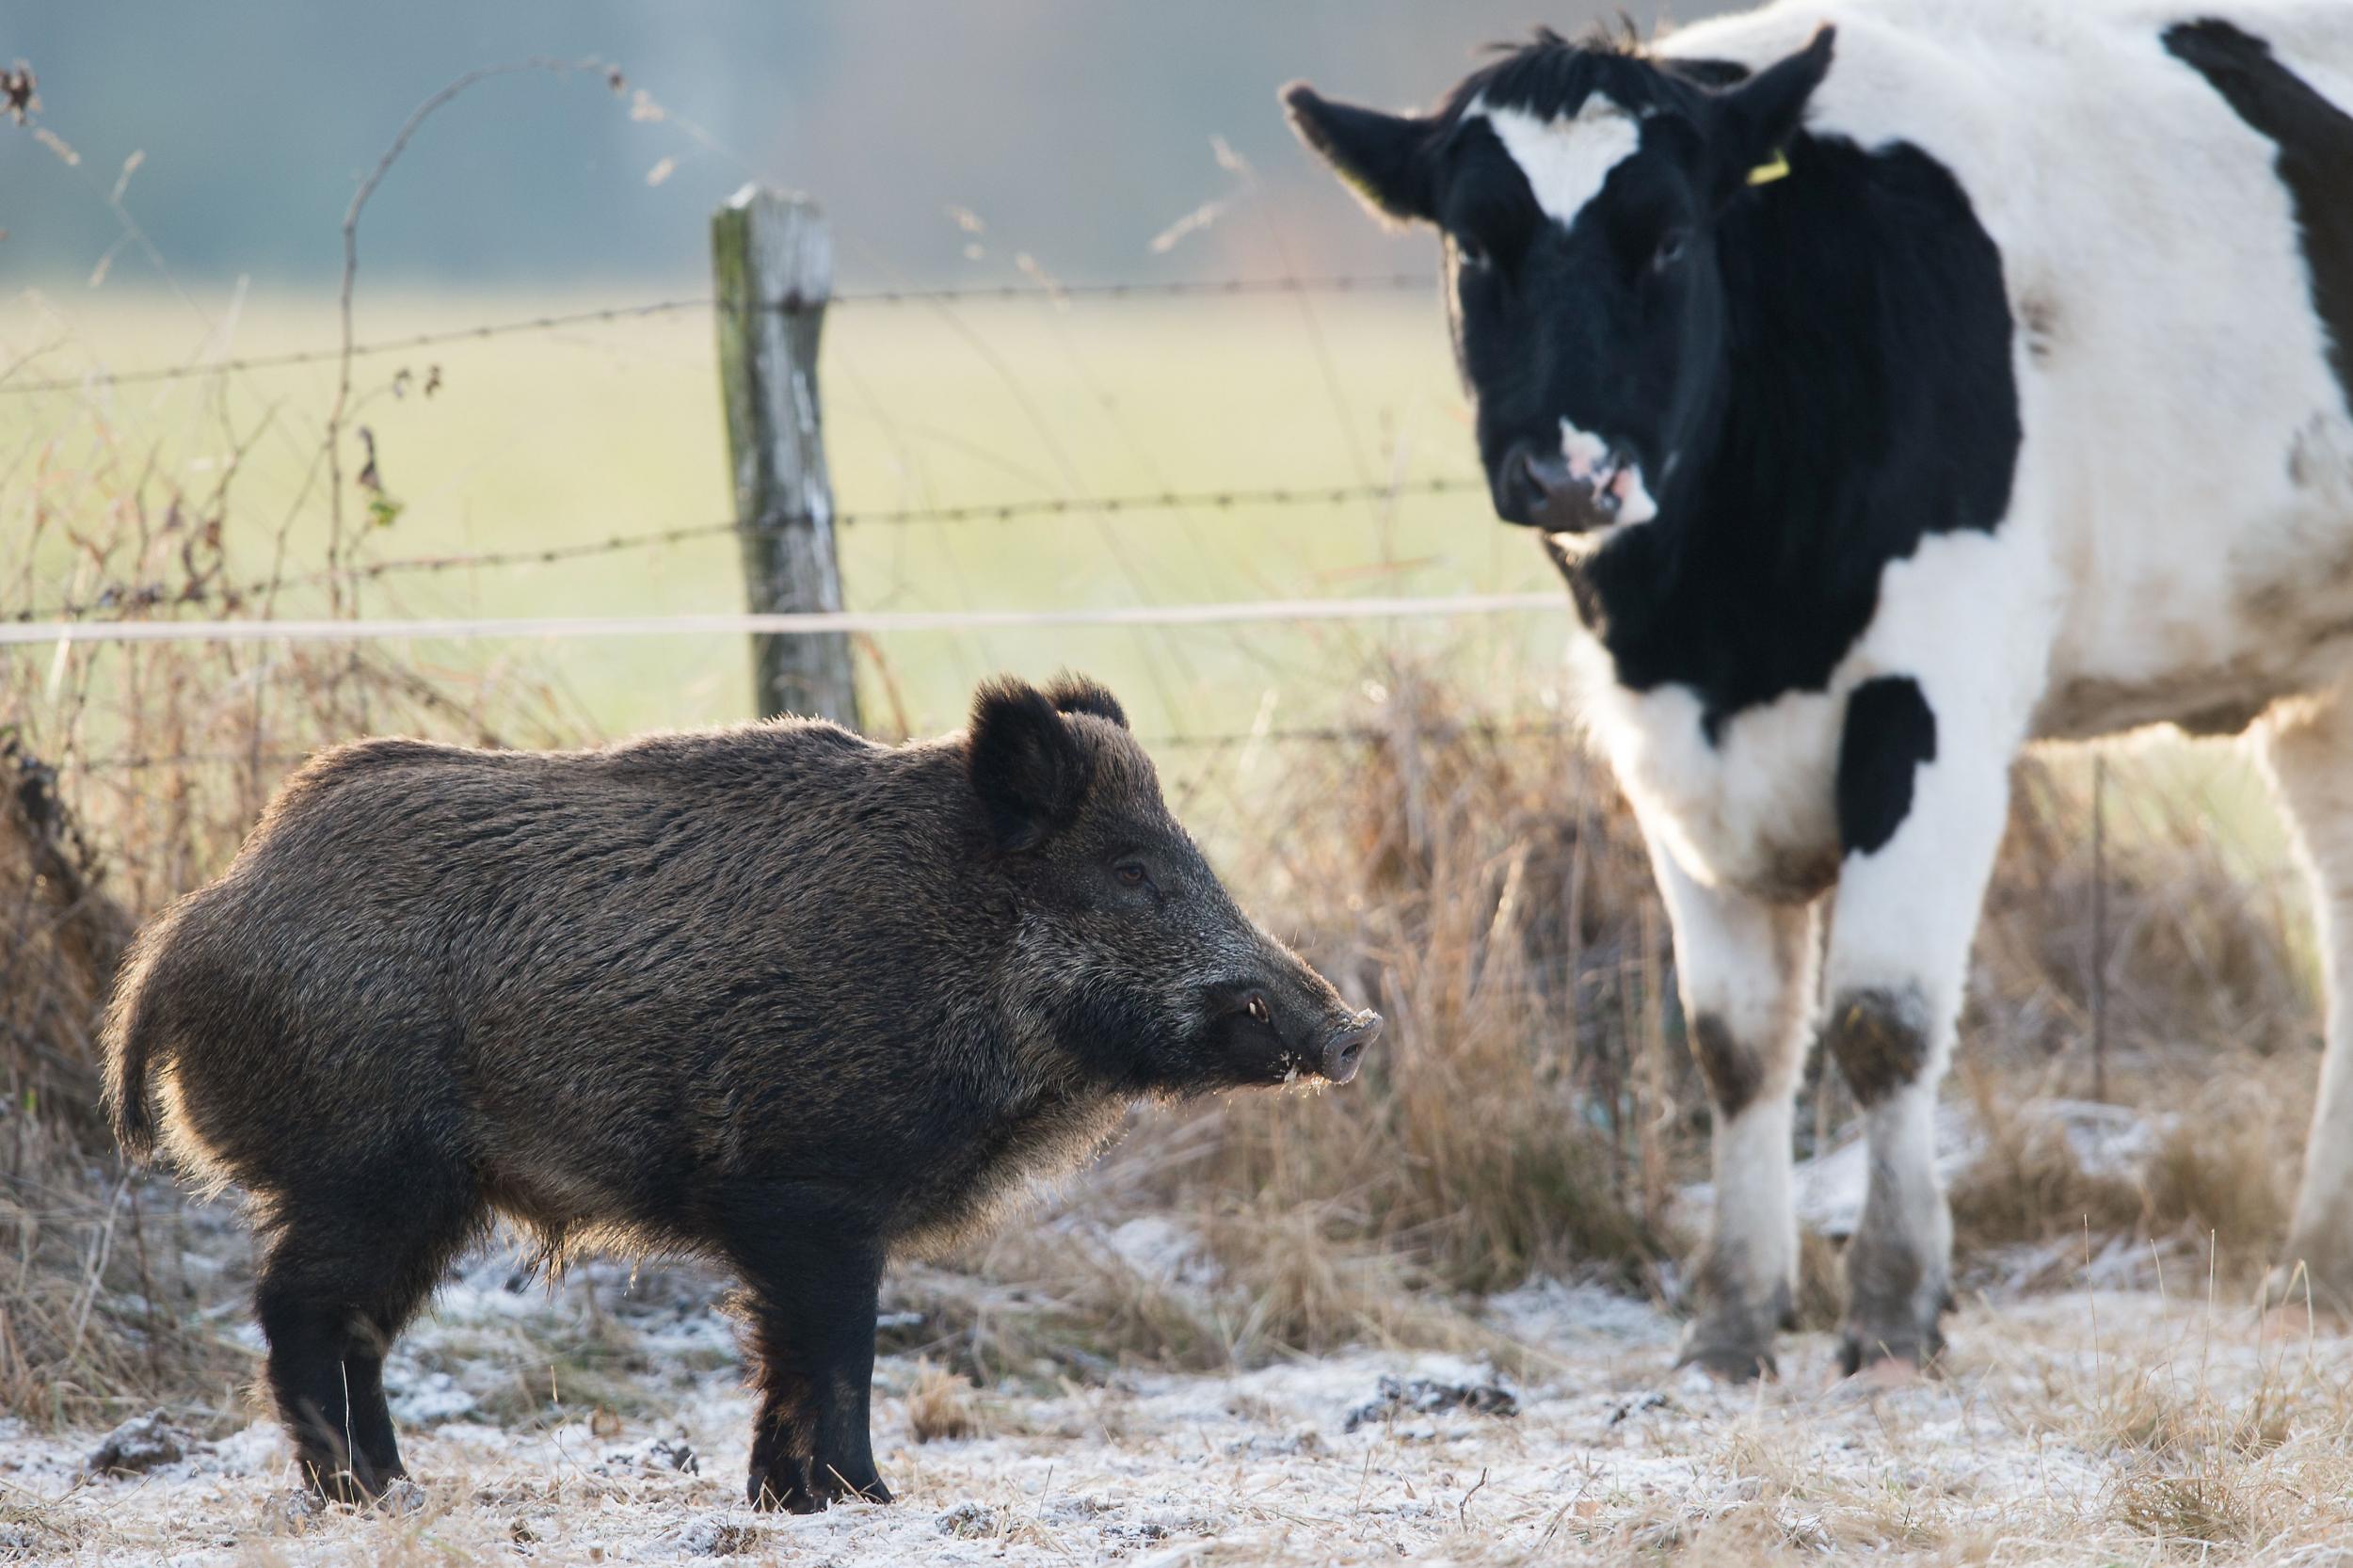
(360, 198)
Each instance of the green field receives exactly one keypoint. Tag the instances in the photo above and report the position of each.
(556, 437)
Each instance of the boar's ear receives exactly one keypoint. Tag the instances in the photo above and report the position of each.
(1025, 765)
(1076, 693)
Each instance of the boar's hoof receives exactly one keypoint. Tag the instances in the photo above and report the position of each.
(788, 1487)
(340, 1485)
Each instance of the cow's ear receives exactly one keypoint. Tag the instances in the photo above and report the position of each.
(1383, 157)
(1029, 770)
(1762, 113)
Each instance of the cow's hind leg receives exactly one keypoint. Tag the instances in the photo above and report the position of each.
(1922, 805)
(2308, 750)
(1746, 971)
(345, 1269)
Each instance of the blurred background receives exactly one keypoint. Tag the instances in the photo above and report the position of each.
(179, 198)
(1078, 132)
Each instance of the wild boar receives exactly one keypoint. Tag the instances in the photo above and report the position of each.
(775, 995)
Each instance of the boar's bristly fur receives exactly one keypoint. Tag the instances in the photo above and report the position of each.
(776, 994)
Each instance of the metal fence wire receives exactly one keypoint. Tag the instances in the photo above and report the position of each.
(852, 299)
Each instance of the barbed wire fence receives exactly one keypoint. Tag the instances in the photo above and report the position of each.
(128, 598)
(128, 610)
(772, 269)
(1042, 292)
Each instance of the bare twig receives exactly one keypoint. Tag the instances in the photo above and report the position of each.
(360, 198)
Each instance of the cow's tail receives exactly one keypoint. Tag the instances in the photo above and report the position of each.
(133, 1044)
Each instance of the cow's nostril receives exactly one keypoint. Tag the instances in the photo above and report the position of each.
(1527, 480)
(1546, 475)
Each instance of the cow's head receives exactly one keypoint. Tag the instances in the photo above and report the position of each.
(1579, 189)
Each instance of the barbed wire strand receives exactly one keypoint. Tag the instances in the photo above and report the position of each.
(1334, 734)
(1043, 294)
(471, 628)
(1231, 499)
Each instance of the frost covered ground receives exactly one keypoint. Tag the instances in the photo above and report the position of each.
(2115, 1425)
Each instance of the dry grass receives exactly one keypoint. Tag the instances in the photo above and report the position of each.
(1531, 1110)
(1488, 894)
(2027, 1184)
(940, 1406)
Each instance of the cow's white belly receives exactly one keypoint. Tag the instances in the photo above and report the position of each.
(2204, 606)
(1754, 810)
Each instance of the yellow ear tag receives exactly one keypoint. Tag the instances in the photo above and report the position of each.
(1766, 173)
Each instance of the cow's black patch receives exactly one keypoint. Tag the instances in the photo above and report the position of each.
(2315, 161)
(1879, 1040)
(1890, 732)
(1730, 1071)
(1866, 402)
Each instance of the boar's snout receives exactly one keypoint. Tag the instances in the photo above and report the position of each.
(1283, 1023)
(1345, 1050)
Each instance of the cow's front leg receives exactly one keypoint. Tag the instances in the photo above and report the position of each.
(1746, 971)
(2308, 750)
(1922, 798)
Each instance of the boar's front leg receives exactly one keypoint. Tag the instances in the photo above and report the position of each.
(812, 1303)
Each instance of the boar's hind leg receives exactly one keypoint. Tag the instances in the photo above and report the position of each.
(337, 1285)
(812, 1305)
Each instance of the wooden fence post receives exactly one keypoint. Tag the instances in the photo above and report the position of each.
(772, 265)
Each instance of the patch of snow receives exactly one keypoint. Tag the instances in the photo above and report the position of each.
(427, 1400)
(1396, 1397)
(709, 1538)
(1552, 1312)
(259, 1447)
(139, 1444)
(1155, 1246)
(654, 1456)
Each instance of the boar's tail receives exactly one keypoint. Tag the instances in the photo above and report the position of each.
(130, 1045)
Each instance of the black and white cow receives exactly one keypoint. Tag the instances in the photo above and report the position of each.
(1897, 382)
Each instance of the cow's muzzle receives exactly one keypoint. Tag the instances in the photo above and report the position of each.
(1549, 491)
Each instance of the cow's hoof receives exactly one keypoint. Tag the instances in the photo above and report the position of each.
(1734, 1356)
(1888, 1353)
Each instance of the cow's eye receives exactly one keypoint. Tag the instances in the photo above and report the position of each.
(1131, 873)
(1468, 252)
(1671, 247)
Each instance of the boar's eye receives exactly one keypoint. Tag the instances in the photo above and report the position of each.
(1259, 1011)
(1131, 873)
